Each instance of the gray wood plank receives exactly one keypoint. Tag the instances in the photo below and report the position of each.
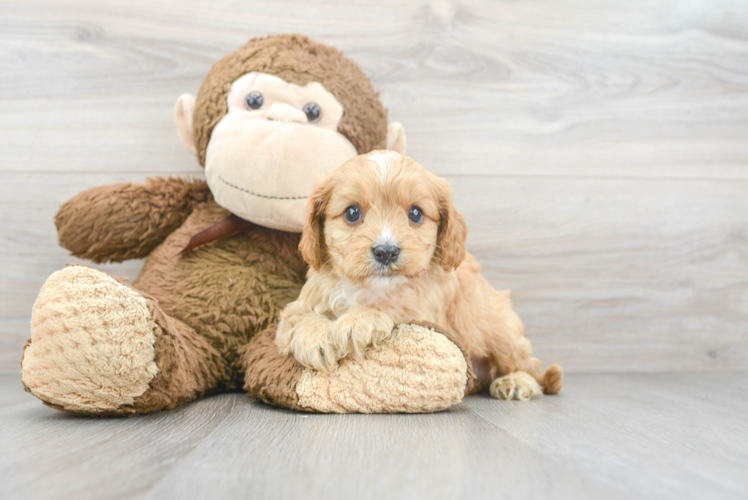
(49, 454)
(605, 436)
(653, 436)
(448, 455)
(579, 87)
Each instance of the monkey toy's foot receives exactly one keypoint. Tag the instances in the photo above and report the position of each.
(418, 370)
(96, 348)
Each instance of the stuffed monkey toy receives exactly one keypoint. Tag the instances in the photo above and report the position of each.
(222, 258)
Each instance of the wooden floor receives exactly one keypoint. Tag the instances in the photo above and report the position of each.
(599, 152)
(606, 436)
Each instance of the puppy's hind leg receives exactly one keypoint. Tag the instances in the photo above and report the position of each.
(552, 380)
(523, 386)
(517, 385)
(516, 374)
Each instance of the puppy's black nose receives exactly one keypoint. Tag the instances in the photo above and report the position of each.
(385, 254)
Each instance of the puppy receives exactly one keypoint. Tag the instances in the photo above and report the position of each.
(386, 246)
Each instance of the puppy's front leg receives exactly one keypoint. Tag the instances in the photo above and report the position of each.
(359, 328)
(308, 337)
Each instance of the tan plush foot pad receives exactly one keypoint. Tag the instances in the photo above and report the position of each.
(92, 343)
(419, 370)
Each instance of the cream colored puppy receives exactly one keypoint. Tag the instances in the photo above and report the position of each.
(386, 246)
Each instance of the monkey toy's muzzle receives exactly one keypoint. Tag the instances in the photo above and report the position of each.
(264, 170)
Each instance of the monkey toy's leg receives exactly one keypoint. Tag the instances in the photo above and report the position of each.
(100, 347)
(420, 368)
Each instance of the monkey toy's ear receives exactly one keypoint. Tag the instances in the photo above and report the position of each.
(184, 109)
(396, 137)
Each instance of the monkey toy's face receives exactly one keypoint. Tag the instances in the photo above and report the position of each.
(276, 140)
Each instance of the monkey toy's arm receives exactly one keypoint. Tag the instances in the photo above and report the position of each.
(126, 221)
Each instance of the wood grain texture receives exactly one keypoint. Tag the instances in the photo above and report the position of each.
(597, 148)
(606, 436)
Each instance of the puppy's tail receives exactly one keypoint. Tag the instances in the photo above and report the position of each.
(552, 379)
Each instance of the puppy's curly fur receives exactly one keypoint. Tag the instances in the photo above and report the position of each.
(355, 294)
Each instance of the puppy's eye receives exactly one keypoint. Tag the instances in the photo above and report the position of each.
(415, 215)
(312, 111)
(255, 100)
(352, 214)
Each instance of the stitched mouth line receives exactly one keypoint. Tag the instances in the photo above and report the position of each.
(261, 195)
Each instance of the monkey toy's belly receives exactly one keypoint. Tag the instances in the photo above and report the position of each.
(227, 290)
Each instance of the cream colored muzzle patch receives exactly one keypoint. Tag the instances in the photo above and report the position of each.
(399, 379)
(264, 171)
(92, 342)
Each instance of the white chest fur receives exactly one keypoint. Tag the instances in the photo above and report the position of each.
(346, 295)
(415, 299)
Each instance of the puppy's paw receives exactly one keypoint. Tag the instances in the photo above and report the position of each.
(360, 328)
(308, 338)
(518, 385)
(319, 354)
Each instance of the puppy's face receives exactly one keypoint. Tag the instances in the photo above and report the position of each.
(382, 218)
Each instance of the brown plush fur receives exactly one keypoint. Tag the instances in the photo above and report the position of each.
(126, 221)
(189, 367)
(299, 60)
(227, 290)
(269, 375)
(208, 304)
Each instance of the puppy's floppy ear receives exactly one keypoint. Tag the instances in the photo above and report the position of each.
(452, 230)
(312, 244)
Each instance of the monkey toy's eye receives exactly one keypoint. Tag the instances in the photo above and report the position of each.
(312, 111)
(352, 214)
(255, 100)
(415, 215)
